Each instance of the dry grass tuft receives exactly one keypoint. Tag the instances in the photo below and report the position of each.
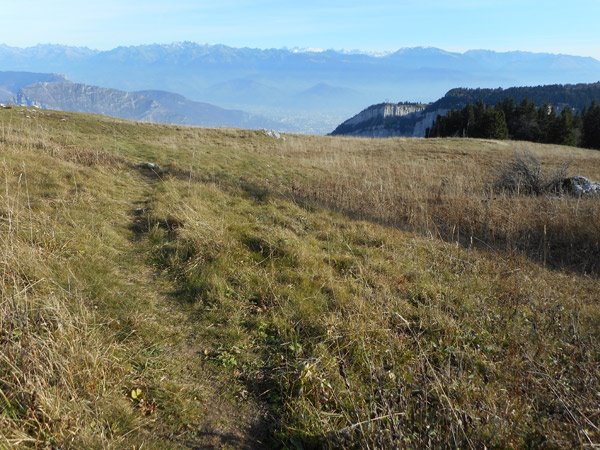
(54, 364)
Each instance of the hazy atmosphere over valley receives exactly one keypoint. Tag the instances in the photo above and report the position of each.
(267, 224)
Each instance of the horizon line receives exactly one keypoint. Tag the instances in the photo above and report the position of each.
(299, 50)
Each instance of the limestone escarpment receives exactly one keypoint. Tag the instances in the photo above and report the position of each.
(387, 120)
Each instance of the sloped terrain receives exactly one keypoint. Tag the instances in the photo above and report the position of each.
(247, 291)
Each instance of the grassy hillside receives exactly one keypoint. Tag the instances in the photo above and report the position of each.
(304, 292)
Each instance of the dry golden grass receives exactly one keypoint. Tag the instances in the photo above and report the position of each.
(444, 188)
(317, 278)
(478, 339)
(57, 370)
(82, 320)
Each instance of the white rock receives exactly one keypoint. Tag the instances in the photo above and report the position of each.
(581, 186)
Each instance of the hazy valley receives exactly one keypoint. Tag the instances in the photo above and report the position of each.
(308, 90)
(55, 92)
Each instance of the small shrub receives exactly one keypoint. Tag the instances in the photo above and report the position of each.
(525, 175)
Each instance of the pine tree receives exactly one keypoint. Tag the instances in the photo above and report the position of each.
(563, 128)
(507, 106)
(526, 126)
(500, 128)
(546, 119)
(468, 116)
(590, 128)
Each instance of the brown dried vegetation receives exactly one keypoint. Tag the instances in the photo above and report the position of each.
(364, 293)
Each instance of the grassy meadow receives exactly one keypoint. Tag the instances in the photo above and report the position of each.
(304, 292)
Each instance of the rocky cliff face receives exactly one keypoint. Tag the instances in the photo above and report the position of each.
(425, 121)
(378, 113)
(388, 120)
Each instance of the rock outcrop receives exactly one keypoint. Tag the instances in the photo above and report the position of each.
(386, 120)
(580, 186)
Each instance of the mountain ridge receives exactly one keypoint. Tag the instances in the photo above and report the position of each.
(192, 69)
(414, 124)
(51, 91)
(186, 45)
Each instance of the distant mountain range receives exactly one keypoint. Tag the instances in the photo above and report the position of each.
(405, 119)
(314, 90)
(56, 92)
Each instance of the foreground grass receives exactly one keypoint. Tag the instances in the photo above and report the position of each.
(251, 274)
(83, 322)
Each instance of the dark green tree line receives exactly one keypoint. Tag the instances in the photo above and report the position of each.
(524, 121)
(590, 126)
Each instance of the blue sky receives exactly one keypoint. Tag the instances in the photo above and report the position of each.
(552, 26)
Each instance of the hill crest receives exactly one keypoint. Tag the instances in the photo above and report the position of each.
(370, 124)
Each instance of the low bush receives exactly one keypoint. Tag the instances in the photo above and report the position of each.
(524, 174)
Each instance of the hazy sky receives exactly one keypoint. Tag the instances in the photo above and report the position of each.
(553, 26)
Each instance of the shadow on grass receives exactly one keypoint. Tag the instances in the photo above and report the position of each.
(574, 250)
(143, 221)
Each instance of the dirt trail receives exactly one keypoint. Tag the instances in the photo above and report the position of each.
(227, 422)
